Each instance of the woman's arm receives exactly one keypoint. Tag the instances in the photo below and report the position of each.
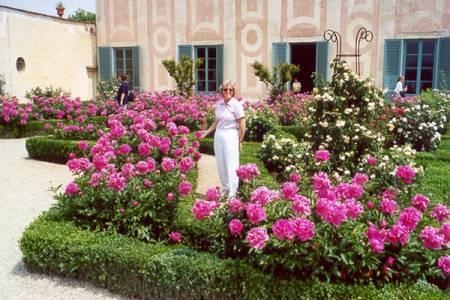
(241, 122)
(210, 129)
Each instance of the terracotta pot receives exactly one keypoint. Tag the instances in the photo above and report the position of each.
(60, 11)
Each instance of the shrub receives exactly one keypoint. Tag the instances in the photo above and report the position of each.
(108, 88)
(338, 232)
(49, 149)
(275, 81)
(2, 85)
(47, 92)
(290, 108)
(183, 73)
(149, 271)
(345, 119)
(259, 121)
(134, 179)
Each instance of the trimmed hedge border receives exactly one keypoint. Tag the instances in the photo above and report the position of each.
(150, 271)
(49, 149)
(32, 128)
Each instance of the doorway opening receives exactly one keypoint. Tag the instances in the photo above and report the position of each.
(304, 56)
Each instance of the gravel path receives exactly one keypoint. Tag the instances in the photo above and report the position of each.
(24, 194)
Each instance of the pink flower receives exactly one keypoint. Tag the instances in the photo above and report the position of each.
(289, 189)
(444, 264)
(303, 228)
(142, 167)
(398, 234)
(235, 227)
(420, 202)
(168, 164)
(301, 205)
(197, 134)
(370, 205)
(445, 230)
(390, 261)
(182, 141)
(388, 206)
(235, 205)
(247, 172)
(170, 197)
(185, 188)
(213, 194)
(322, 155)
(371, 160)
(321, 182)
(390, 194)
(135, 203)
(144, 149)
(431, 239)
(263, 195)
(116, 182)
(406, 173)
(83, 145)
(186, 164)
(409, 218)
(440, 212)
(360, 179)
(147, 183)
(294, 177)
(202, 209)
(124, 149)
(72, 189)
(257, 237)
(354, 208)
(256, 213)
(376, 238)
(331, 211)
(175, 236)
(283, 229)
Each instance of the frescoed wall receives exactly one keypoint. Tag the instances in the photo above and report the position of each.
(248, 29)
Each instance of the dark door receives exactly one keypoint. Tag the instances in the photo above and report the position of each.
(304, 56)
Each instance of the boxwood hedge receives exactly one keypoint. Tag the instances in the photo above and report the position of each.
(150, 271)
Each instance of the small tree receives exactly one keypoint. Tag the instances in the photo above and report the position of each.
(275, 81)
(82, 15)
(183, 73)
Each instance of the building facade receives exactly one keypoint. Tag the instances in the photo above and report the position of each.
(41, 50)
(410, 38)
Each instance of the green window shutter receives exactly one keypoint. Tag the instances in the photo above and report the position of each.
(322, 59)
(219, 62)
(135, 55)
(105, 63)
(444, 62)
(392, 63)
(184, 50)
(279, 53)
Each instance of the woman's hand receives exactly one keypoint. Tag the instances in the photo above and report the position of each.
(203, 133)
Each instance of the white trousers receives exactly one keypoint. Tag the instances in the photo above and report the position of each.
(226, 149)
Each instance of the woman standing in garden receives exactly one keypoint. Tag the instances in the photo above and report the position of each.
(122, 93)
(399, 90)
(229, 123)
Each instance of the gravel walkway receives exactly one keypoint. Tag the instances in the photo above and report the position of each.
(24, 194)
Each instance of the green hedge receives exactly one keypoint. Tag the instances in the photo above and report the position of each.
(49, 149)
(31, 129)
(149, 271)
(297, 131)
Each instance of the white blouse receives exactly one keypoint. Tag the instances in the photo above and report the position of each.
(228, 114)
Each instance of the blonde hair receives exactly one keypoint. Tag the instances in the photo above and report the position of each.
(230, 84)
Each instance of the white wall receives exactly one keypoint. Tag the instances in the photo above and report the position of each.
(56, 52)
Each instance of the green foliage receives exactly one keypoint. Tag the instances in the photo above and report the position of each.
(82, 15)
(60, 4)
(2, 85)
(259, 122)
(276, 80)
(47, 92)
(32, 128)
(295, 130)
(49, 149)
(183, 73)
(108, 88)
(149, 271)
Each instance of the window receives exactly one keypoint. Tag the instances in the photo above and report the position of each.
(20, 64)
(124, 63)
(419, 62)
(207, 76)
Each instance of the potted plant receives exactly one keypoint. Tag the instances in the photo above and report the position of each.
(60, 8)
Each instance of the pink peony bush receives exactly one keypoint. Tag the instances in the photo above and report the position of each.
(331, 228)
(132, 178)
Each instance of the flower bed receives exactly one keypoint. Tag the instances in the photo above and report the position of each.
(148, 271)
